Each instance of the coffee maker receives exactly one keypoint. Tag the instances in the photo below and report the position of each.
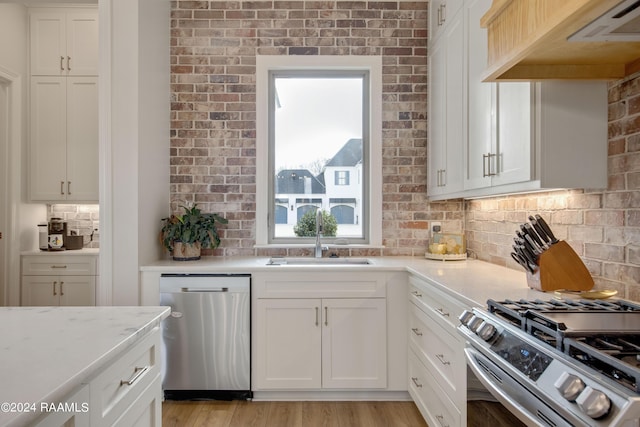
(57, 233)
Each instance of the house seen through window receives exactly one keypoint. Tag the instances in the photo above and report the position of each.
(318, 147)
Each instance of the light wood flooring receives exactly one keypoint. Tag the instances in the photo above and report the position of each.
(239, 413)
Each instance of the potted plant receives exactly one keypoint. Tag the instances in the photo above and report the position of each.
(184, 235)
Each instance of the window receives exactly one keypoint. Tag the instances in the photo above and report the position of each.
(342, 178)
(317, 144)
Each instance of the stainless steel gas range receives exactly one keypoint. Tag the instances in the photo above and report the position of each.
(559, 362)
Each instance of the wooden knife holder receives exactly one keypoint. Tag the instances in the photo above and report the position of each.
(559, 267)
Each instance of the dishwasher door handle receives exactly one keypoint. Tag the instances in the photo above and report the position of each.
(204, 289)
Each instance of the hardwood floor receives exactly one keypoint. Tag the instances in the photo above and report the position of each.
(239, 413)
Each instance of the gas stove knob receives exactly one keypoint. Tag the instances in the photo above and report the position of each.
(474, 323)
(594, 403)
(465, 317)
(569, 386)
(486, 330)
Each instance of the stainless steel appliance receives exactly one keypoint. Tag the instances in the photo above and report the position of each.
(206, 339)
(559, 362)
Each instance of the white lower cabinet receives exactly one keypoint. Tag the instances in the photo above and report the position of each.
(322, 343)
(126, 393)
(323, 331)
(127, 385)
(437, 366)
(59, 280)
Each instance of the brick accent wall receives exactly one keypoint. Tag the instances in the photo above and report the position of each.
(603, 227)
(213, 132)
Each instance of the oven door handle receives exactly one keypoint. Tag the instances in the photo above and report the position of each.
(489, 382)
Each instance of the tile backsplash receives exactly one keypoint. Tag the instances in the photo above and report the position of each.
(82, 219)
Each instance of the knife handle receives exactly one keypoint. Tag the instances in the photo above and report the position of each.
(546, 228)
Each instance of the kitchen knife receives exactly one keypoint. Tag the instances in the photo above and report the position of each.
(546, 228)
(529, 256)
(530, 231)
(517, 258)
(519, 251)
(540, 231)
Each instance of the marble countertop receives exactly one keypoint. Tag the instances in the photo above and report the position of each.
(83, 252)
(471, 281)
(47, 352)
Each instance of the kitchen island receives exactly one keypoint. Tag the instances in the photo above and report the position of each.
(90, 364)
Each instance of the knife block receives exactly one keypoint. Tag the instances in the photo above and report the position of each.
(559, 267)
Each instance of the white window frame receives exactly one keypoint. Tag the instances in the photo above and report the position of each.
(266, 63)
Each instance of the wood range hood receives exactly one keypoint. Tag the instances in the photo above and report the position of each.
(528, 41)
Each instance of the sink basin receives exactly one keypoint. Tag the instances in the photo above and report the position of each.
(317, 261)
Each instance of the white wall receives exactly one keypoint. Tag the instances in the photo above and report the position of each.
(22, 216)
(134, 187)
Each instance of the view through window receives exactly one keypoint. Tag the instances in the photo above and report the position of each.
(318, 153)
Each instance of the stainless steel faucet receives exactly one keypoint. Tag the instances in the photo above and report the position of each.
(319, 231)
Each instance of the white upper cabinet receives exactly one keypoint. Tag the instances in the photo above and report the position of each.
(64, 43)
(446, 101)
(64, 139)
(516, 136)
(63, 147)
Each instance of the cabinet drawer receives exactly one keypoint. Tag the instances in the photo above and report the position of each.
(433, 403)
(443, 308)
(68, 265)
(440, 352)
(121, 383)
(319, 285)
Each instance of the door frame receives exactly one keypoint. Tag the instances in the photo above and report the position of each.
(10, 154)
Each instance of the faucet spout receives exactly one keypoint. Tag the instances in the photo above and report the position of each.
(319, 231)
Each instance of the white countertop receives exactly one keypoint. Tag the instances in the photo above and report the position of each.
(83, 251)
(472, 281)
(47, 352)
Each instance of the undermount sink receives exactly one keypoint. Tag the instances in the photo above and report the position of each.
(317, 261)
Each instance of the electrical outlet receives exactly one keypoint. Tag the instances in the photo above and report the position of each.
(436, 227)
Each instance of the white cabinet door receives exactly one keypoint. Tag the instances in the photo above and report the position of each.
(78, 418)
(82, 139)
(288, 344)
(77, 291)
(41, 291)
(354, 343)
(48, 139)
(64, 43)
(48, 44)
(446, 110)
(58, 290)
(82, 44)
(64, 139)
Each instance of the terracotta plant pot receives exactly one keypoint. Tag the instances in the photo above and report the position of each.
(186, 251)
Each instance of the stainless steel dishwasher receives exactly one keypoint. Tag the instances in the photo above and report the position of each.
(206, 340)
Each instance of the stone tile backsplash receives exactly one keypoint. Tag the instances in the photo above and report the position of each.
(83, 219)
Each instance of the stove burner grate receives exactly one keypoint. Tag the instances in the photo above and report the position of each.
(616, 357)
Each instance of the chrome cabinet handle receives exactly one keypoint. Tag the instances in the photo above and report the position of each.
(61, 291)
(417, 331)
(416, 293)
(69, 187)
(486, 165)
(442, 312)
(443, 14)
(58, 266)
(137, 373)
(62, 187)
(68, 63)
(442, 360)
(440, 21)
(415, 381)
(61, 65)
(326, 316)
(54, 289)
(440, 419)
(317, 316)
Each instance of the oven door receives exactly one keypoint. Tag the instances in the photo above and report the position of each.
(513, 395)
